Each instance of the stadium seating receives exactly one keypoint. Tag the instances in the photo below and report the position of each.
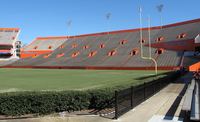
(190, 60)
(8, 39)
(8, 61)
(8, 35)
(113, 49)
(44, 44)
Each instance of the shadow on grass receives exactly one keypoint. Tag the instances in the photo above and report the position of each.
(153, 76)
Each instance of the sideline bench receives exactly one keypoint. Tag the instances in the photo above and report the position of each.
(195, 115)
(191, 101)
(187, 104)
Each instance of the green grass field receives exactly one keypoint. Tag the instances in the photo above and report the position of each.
(57, 79)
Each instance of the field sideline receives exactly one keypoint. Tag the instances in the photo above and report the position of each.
(62, 79)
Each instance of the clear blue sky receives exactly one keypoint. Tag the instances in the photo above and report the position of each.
(49, 17)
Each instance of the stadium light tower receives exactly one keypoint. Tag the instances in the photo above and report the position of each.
(108, 16)
(141, 38)
(69, 23)
(160, 9)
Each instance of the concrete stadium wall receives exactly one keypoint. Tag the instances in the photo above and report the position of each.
(95, 68)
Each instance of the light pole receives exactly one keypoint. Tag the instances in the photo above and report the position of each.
(69, 23)
(160, 8)
(108, 15)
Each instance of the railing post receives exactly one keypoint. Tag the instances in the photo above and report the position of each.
(144, 90)
(160, 85)
(132, 96)
(116, 104)
(154, 89)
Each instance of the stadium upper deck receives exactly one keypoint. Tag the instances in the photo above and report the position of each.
(42, 45)
(8, 39)
(8, 36)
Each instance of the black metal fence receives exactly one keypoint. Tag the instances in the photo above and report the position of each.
(127, 99)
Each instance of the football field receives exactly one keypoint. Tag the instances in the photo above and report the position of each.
(62, 79)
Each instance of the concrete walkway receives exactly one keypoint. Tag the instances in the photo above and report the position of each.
(158, 105)
(164, 106)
